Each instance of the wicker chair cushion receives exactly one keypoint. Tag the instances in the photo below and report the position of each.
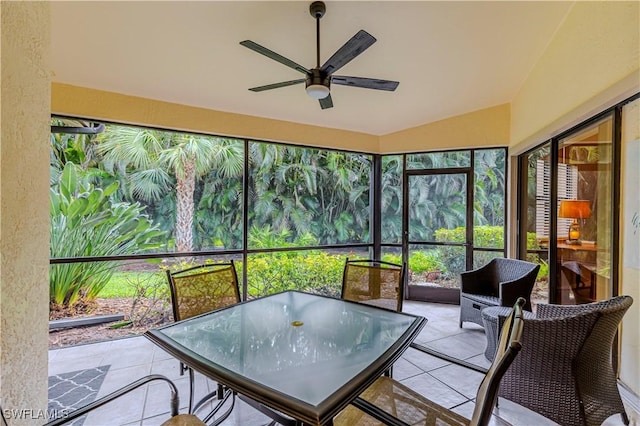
(485, 300)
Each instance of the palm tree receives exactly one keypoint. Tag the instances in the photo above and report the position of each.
(151, 159)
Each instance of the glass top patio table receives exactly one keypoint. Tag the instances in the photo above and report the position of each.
(305, 355)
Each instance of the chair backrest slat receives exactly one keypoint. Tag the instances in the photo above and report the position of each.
(203, 288)
(375, 282)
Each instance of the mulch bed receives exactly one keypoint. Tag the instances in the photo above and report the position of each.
(146, 314)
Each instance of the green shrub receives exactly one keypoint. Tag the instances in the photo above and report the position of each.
(314, 271)
(392, 258)
(419, 261)
(483, 236)
(426, 261)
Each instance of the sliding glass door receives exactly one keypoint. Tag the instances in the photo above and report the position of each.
(585, 214)
(567, 213)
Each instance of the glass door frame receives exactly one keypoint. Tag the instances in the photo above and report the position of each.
(616, 116)
(435, 294)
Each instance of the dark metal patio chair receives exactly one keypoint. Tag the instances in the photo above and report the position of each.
(201, 289)
(392, 403)
(565, 371)
(175, 420)
(198, 290)
(498, 283)
(374, 282)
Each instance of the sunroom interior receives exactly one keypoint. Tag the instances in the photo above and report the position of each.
(586, 64)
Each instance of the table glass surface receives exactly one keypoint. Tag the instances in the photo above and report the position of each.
(299, 344)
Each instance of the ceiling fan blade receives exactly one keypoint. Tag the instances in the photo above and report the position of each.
(273, 55)
(277, 85)
(326, 102)
(367, 83)
(355, 46)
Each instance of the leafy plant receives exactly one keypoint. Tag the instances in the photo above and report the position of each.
(85, 222)
(419, 261)
(315, 271)
(483, 236)
(392, 258)
(426, 261)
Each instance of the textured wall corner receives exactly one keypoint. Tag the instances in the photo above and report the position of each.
(24, 208)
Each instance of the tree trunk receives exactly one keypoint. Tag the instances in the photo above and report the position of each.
(185, 206)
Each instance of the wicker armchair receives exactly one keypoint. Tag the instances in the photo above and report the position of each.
(565, 370)
(374, 282)
(498, 283)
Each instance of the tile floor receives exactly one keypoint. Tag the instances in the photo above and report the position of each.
(446, 384)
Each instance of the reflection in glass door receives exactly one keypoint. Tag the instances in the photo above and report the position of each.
(585, 214)
(437, 236)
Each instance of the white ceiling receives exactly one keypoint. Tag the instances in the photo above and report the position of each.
(449, 57)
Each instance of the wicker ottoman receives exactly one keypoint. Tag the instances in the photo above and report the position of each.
(490, 320)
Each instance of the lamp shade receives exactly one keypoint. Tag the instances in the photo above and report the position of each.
(574, 209)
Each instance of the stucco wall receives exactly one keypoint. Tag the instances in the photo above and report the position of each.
(24, 208)
(109, 106)
(486, 127)
(596, 48)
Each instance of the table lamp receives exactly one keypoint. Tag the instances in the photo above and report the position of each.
(574, 209)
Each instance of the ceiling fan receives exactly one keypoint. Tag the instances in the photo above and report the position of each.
(318, 80)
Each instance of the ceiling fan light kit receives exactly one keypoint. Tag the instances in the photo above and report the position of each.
(318, 80)
(317, 91)
(317, 85)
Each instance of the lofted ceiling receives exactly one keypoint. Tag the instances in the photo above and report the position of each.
(450, 57)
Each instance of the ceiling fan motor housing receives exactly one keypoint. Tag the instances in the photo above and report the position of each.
(316, 76)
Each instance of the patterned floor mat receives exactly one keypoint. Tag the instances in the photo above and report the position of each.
(69, 391)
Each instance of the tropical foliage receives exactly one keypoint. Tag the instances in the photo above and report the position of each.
(86, 222)
(303, 190)
(156, 163)
(438, 200)
(184, 193)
